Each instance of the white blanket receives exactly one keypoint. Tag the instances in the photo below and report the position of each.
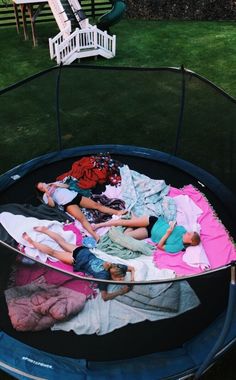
(16, 225)
(145, 270)
(187, 213)
(100, 317)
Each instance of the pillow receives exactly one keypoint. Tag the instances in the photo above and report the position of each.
(195, 256)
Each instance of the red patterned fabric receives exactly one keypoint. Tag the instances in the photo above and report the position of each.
(87, 173)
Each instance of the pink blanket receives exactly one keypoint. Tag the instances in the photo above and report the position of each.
(25, 274)
(38, 306)
(42, 296)
(216, 242)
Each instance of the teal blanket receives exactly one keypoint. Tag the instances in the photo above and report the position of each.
(116, 243)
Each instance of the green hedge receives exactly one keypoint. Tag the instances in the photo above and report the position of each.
(182, 9)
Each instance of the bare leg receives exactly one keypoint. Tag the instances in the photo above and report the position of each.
(139, 233)
(142, 221)
(128, 230)
(59, 239)
(65, 257)
(89, 203)
(75, 211)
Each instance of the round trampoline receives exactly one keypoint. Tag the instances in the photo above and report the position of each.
(187, 118)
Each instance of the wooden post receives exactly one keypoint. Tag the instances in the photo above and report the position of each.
(32, 22)
(23, 10)
(93, 9)
(27, 6)
(15, 7)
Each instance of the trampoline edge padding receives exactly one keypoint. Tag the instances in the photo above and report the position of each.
(161, 365)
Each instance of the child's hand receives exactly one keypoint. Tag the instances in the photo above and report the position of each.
(125, 289)
(172, 225)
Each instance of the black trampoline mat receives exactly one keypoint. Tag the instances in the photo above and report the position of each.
(137, 339)
(144, 337)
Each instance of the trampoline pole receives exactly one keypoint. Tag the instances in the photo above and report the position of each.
(226, 326)
(58, 109)
(181, 113)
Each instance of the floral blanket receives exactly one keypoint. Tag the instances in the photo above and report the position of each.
(146, 196)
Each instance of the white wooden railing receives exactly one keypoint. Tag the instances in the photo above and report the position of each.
(107, 42)
(82, 43)
(57, 40)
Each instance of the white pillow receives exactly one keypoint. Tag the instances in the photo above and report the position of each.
(196, 257)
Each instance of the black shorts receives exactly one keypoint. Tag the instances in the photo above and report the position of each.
(152, 221)
(75, 201)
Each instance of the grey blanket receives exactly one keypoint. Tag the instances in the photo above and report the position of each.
(159, 297)
(171, 298)
(40, 212)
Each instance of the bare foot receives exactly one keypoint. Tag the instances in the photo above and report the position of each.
(96, 226)
(40, 229)
(97, 237)
(27, 238)
(121, 212)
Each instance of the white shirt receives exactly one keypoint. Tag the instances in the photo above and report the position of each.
(61, 196)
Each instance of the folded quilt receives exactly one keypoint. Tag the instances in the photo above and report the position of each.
(162, 297)
(37, 306)
(116, 243)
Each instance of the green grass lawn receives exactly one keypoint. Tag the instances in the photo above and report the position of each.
(209, 48)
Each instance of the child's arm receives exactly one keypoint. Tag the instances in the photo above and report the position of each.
(161, 244)
(60, 184)
(49, 200)
(110, 296)
(132, 271)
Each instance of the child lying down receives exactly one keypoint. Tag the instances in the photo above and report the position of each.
(84, 260)
(169, 237)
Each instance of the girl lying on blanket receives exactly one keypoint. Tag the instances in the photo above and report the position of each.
(84, 260)
(59, 193)
(168, 236)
